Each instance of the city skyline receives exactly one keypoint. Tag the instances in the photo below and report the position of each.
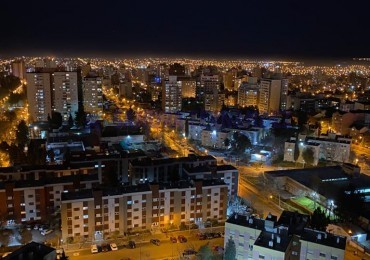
(259, 30)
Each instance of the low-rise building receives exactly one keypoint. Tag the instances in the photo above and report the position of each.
(214, 138)
(325, 147)
(227, 173)
(286, 238)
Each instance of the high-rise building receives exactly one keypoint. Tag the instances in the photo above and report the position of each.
(125, 89)
(177, 69)
(171, 95)
(229, 79)
(248, 93)
(272, 97)
(65, 93)
(19, 69)
(92, 95)
(188, 89)
(46, 63)
(39, 95)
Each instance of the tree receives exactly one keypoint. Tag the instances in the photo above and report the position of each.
(302, 119)
(227, 142)
(205, 252)
(241, 143)
(70, 120)
(350, 203)
(308, 156)
(296, 151)
(230, 250)
(21, 135)
(130, 114)
(319, 220)
(80, 117)
(56, 120)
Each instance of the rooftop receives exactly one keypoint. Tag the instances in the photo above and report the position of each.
(33, 251)
(323, 238)
(273, 241)
(246, 221)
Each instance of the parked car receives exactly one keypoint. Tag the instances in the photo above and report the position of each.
(155, 242)
(182, 239)
(113, 247)
(216, 235)
(105, 248)
(189, 252)
(46, 232)
(202, 237)
(131, 244)
(173, 239)
(5, 254)
(36, 227)
(94, 249)
(218, 248)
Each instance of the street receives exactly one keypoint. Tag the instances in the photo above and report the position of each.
(146, 250)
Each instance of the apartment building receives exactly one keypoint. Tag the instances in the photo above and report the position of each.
(286, 238)
(227, 173)
(65, 93)
(214, 138)
(95, 213)
(39, 95)
(172, 95)
(329, 147)
(165, 169)
(92, 95)
(31, 200)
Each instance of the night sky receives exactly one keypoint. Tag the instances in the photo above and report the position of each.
(249, 28)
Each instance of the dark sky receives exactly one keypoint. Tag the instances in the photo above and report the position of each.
(127, 28)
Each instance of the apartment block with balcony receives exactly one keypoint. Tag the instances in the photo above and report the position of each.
(96, 213)
(34, 200)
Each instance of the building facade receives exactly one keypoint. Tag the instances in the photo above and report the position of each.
(65, 93)
(92, 95)
(95, 213)
(39, 96)
(172, 95)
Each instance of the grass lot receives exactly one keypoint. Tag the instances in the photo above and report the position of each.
(310, 204)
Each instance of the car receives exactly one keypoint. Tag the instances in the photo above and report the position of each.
(36, 227)
(94, 249)
(100, 248)
(202, 237)
(218, 248)
(105, 248)
(43, 227)
(155, 242)
(216, 235)
(189, 252)
(29, 227)
(113, 246)
(46, 232)
(131, 244)
(208, 235)
(173, 239)
(182, 239)
(5, 254)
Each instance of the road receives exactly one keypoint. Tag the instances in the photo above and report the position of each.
(363, 158)
(146, 250)
(262, 205)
